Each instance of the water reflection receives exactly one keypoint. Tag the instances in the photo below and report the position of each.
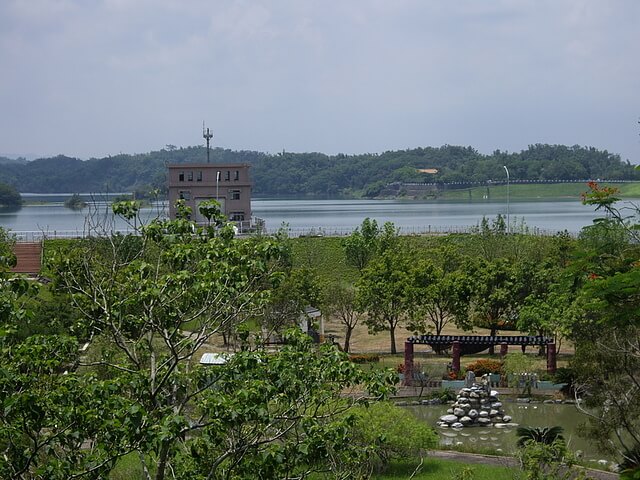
(531, 415)
(8, 209)
(338, 216)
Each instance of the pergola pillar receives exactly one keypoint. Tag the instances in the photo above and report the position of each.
(455, 363)
(552, 359)
(408, 364)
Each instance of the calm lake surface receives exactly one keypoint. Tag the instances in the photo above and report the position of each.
(531, 415)
(324, 216)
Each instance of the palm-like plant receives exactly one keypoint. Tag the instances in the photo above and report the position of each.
(545, 435)
(630, 466)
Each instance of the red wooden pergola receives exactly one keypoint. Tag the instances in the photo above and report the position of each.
(467, 344)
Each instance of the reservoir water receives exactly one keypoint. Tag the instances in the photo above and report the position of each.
(531, 415)
(329, 217)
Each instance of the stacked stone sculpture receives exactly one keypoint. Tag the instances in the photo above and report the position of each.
(475, 406)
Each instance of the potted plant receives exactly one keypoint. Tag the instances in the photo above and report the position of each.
(451, 380)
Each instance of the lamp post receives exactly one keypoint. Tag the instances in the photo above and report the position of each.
(508, 223)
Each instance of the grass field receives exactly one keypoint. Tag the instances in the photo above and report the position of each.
(535, 191)
(438, 469)
(128, 468)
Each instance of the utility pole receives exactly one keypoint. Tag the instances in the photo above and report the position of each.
(508, 226)
(207, 135)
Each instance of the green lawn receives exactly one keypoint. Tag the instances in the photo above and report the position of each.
(128, 468)
(535, 191)
(437, 469)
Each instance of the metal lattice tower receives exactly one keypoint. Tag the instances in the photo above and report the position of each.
(207, 135)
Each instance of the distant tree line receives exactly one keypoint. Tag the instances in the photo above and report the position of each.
(318, 174)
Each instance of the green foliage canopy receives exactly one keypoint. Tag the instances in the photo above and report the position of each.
(295, 174)
(148, 304)
(9, 196)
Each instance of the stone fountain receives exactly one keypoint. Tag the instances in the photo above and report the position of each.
(475, 406)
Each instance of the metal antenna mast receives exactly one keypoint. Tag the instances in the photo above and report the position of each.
(207, 135)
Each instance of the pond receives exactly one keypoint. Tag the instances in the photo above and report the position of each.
(530, 414)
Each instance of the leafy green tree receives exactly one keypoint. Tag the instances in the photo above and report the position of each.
(607, 334)
(55, 424)
(440, 298)
(75, 202)
(279, 416)
(316, 173)
(159, 305)
(492, 241)
(298, 289)
(149, 305)
(340, 301)
(384, 292)
(551, 312)
(47, 415)
(9, 196)
(495, 295)
(7, 257)
(362, 245)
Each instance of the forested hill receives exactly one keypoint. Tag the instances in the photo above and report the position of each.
(316, 173)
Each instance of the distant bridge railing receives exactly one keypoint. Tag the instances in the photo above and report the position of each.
(511, 181)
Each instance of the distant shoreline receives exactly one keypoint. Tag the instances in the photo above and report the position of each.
(517, 192)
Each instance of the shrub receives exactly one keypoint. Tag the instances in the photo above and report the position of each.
(364, 358)
(443, 394)
(546, 435)
(484, 366)
(540, 461)
(563, 375)
(391, 433)
(630, 466)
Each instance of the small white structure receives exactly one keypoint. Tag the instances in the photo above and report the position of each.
(215, 358)
(307, 318)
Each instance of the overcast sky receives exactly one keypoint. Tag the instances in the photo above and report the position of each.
(89, 78)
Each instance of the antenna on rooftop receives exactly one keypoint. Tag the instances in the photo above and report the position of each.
(207, 135)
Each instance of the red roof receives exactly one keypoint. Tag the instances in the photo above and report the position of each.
(29, 256)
